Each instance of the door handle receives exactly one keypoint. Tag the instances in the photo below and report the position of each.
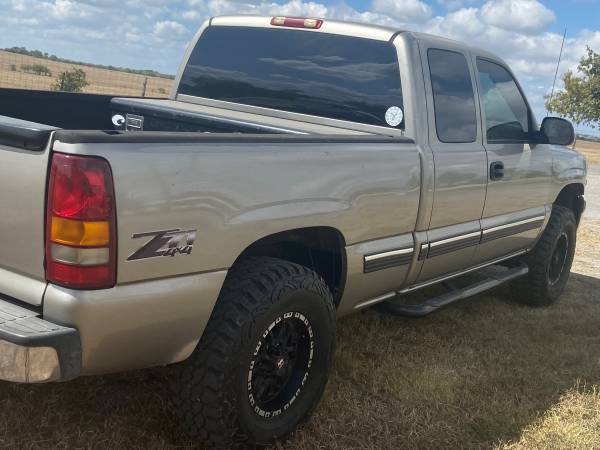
(496, 170)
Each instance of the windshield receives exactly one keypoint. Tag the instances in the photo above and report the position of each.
(327, 75)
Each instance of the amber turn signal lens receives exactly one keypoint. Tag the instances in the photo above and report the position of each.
(79, 233)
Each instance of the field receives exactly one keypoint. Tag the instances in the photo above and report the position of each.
(484, 373)
(590, 149)
(101, 81)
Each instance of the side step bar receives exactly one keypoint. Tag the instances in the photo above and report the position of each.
(494, 278)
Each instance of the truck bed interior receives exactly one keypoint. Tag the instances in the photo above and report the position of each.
(75, 111)
(95, 112)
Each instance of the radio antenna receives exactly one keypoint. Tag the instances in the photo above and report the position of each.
(556, 72)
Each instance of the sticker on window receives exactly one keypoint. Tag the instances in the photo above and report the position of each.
(394, 116)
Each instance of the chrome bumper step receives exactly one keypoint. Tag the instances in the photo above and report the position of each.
(33, 350)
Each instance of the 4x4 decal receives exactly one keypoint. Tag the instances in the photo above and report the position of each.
(164, 243)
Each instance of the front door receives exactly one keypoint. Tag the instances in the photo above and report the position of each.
(519, 172)
(460, 161)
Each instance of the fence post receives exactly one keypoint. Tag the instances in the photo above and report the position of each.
(145, 84)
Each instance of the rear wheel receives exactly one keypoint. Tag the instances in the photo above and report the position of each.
(549, 262)
(263, 361)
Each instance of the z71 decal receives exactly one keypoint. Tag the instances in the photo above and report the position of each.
(165, 243)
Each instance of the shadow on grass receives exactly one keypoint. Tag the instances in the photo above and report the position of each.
(472, 375)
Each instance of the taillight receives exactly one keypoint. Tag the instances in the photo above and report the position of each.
(80, 223)
(296, 22)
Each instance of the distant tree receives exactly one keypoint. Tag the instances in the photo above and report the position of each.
(580, 99)
(162, 91)
(41, 69)
(38, 69)
(13, 68)
(73, 80)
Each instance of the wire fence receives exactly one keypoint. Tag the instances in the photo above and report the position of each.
(27, 72)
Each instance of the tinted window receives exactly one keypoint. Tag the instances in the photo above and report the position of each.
(453, 98)
(506, 113)
(321, 74)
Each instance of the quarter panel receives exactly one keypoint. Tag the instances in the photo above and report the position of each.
(136, 325)
(234, 194)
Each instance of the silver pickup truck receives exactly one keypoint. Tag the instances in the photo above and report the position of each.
(301, 170)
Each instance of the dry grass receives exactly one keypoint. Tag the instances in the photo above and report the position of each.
(483, 373)
(573, 423)
(590, 149)
(102, 81)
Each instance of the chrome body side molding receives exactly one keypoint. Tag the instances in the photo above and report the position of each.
(391, 258)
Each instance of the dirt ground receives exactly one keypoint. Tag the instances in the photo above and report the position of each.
(484, 373)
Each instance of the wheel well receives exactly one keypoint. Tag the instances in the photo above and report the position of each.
(571, 196)
(320, 248)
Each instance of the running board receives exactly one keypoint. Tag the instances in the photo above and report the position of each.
(494, 278)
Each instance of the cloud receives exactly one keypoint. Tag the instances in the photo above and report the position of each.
(452, 5)
(167, 27)
(403, 10)
(527, 16)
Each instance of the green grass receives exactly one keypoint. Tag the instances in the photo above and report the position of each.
(484, 373)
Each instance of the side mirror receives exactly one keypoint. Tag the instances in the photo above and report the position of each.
(557, 131)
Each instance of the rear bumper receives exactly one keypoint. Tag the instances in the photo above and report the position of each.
(33, 350)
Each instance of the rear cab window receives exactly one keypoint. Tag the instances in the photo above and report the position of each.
(453, 96)
(326, 75)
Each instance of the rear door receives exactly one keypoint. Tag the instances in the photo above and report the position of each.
(519, 175)
(460, 160)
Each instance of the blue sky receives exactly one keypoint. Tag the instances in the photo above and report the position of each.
(153, 34)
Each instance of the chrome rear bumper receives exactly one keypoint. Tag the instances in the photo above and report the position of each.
(33, 350)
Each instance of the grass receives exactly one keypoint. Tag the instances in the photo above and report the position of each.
(574, 423)
(590, 149)
(484, 373)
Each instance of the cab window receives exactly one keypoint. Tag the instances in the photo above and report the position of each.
(453, 98)
(507, 117)
(327, 75)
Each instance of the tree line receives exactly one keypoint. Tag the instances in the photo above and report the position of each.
(44, 55)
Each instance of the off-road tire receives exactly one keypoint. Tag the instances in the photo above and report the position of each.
(212, 387)
(538, 287)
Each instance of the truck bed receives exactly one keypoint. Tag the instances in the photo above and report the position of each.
(217, 183)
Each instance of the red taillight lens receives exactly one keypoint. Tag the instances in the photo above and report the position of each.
(80, 223)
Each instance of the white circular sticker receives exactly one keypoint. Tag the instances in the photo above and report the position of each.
(394, 116)
(118, 120)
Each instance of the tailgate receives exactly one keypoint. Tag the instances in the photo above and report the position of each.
(23, 167)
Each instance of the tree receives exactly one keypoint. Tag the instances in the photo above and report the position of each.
(580, 99)
(73, 80)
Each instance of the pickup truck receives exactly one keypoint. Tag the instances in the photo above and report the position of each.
(301, 170)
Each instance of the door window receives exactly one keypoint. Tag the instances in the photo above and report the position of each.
(506, 112)
(453, 98)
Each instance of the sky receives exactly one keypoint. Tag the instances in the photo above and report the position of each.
(153, 34)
